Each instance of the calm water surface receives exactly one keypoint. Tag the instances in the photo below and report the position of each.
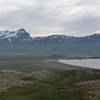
(88, 63)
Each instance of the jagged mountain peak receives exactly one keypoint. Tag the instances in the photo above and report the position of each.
(21, 30)
(20, 33)
(19, 36)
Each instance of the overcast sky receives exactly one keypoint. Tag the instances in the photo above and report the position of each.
(43, 17)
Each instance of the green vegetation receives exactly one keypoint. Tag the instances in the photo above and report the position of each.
(43, 90)
(62, 88)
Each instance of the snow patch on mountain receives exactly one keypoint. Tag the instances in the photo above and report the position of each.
(13, 34)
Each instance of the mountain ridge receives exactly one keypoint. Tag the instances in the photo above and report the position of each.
(21, 36)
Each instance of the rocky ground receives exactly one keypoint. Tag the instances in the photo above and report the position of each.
(47, 82)
(13, 78)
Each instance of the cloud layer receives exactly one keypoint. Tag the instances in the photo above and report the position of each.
(42, 17)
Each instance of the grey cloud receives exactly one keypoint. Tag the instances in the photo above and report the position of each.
(53, 16)
(83, 25)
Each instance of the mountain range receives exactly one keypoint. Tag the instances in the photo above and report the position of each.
(22, 37)
(53, 46)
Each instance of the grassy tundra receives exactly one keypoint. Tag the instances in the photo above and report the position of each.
(29, 78)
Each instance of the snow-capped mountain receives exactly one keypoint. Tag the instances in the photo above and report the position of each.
(14, 34)
(18, 36)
